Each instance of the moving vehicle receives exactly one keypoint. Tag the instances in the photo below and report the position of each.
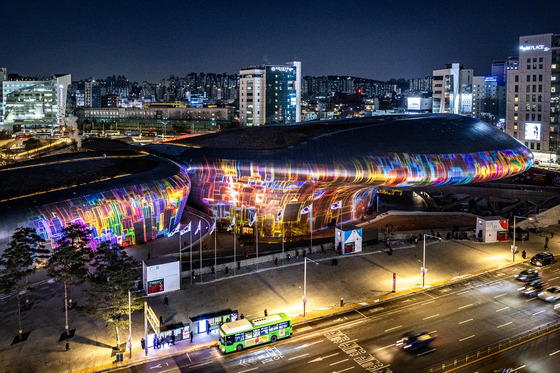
(533, 288)
(551, 294)
(412, 341)
(243, 333)
(542, 259)
(528, 275)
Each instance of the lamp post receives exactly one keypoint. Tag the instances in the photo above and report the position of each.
(304, 299)
(513, 247)
(423, 269)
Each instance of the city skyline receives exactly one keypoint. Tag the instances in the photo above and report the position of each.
(148, 42)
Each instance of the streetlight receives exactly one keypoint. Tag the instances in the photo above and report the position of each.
(304, 299)
(513, 247)
(423, 269)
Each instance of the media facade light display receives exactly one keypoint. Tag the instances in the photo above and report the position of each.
(533, 131)
(277, 192)
(126, 216)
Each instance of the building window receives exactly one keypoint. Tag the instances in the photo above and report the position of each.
(538, 146)
(532, 145)
(517, 78)
(516, 88)
(514, 125)
(515, 134)
(540, 78)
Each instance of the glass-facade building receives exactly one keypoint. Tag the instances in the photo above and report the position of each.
(34, 104)
(281, 94)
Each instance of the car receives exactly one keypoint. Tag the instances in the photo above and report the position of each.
(551, 294)
(412, 341)
(542, 259)
(528, 275)
(532, 288)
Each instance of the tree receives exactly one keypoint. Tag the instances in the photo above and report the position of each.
(69, 259)
(113, 275)
(17, 264)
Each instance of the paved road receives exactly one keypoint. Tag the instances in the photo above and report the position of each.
(466, 316)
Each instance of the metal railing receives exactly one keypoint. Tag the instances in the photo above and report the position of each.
(493, 349)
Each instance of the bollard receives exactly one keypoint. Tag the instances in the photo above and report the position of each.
(341, 302)
(455, 363)
(467, 359)
(442, 367)
(489, 350)
(499, 346)
(538, 330)
(477, 354)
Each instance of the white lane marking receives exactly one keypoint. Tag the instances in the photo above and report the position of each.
(382, 348)
(396, 327)
(506, 324)
(462, 322)
(536, 313)
(501, 295)
(464, 339)
(343, 370)
(308, 344)
(503, 309)
(377, 309)
(426, 352)
(295, 357)
(530, 300)
(392, 312)
(463, 292)
(406, 301)
(305, 328)
(189, 357)
(554, 278)
(338, 362)
(430, 317)
(428, 302)
(467, 306)
(361, 313)
(248, 370)
(554, 353)
(321, 358)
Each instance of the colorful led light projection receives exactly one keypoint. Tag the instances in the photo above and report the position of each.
(126, 216)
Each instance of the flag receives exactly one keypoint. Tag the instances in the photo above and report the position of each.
(306, 209)
(213, 227)
(336, 205)
(198, 228)
(172, 233)
(187, 229)
(232, 224)
(280, 214)
(253, 219)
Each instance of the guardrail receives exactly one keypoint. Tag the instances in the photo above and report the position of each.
(493, 349)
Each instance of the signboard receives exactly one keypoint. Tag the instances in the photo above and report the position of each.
(155, 286)
(533, 131)
(414, 103)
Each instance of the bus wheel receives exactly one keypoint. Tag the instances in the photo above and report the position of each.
(239, 347)
(273, 338)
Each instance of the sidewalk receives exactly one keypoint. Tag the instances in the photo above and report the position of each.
(359, 279)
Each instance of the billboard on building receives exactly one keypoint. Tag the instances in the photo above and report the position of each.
(533, 131)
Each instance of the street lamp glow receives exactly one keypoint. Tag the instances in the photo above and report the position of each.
(423, 269)
(304, 299)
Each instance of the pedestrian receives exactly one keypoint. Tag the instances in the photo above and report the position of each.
(161, 320)
(173, 337)
(551, 234)
(155, 341)
(523, 254)
(207, 327)
(546, 240)
(149, 256)
(67, 345)
(242, 316)
(166, 300)
(143, 344)
(545, 247)
(158, 343)
(276, 261)
(265, 312)
(192, 336)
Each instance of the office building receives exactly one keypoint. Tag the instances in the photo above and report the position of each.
(452, 90)
(35, 104)
(270, 94)
(533, 95)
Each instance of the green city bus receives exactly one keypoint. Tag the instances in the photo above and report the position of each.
(243, 333)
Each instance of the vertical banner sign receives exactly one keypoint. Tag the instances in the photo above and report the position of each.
(394, 282)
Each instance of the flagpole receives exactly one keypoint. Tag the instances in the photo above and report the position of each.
(234, 239)
(200, 240)
(282, 237)
(190, 255)
(180, 258)
(215, 259)
(311, 228)
(257, 234)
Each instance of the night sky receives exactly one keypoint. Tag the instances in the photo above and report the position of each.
(150, 40)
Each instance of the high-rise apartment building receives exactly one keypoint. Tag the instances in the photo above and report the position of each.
(452, 90)
(533, 95)
(270, 94)
(3, 76)
(35, 104)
